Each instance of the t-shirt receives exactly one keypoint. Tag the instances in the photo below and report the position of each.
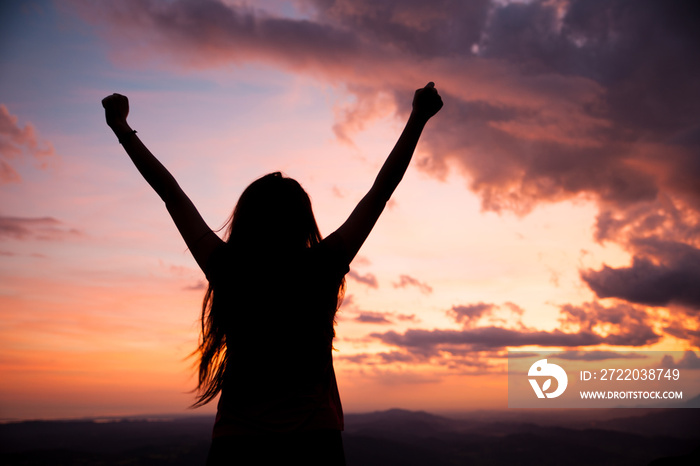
(279, 311)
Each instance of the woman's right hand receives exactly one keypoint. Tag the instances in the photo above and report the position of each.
(426, 102)
(116, 110)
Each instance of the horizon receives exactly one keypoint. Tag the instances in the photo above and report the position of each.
(537, 414)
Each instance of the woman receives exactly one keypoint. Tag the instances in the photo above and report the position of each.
(274, 289)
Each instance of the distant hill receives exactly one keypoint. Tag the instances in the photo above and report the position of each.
(524, 438)
(394, 437)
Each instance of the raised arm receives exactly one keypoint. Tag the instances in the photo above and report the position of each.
(426, 103)
(199, 238)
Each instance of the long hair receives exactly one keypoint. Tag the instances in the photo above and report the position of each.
(273, 215)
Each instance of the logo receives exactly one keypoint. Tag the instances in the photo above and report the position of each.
(542, 369)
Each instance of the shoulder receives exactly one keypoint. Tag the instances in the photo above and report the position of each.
(332, 252)
(219, 262)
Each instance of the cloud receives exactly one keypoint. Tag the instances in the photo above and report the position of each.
(378, 358)
(354, 358)
(622, 324)
(370, 317)
(200, 285)
(430, 342)
(16, 141)
(8, 174)
(367, 279)
(684, 331)
(212, 33)
(590, 324)
(361, 260)
(668, 273)
(689, 361)
(407, 280)
(42, 228)
(367, 317)
(469, 314)
(395, 356)
(407, 317)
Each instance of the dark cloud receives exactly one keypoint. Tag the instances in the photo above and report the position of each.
(367, 279)
(645, 93)
(43, 228)
(212, 33)
(668, 273)
(443, 27)
(407, 280)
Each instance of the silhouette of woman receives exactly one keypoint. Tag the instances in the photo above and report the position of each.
(269, 312)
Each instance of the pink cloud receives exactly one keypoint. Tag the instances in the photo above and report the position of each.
(469, 314)
(15, 142)
(367, 317)
(407, 280)
(366, 279)
(42, 228)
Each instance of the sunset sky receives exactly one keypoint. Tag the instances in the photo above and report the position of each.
(554, 202)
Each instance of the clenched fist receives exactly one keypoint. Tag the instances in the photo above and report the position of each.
(427, 102)
(116, 110)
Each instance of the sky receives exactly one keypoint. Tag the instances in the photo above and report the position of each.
(552, 204)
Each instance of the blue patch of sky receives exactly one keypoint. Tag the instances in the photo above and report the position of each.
(50, 57)
(55, 67)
